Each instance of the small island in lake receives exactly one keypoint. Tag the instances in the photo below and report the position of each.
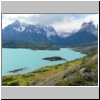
(16, 70)
(55, 58)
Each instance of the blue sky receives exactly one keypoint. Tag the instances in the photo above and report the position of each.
(61, 22)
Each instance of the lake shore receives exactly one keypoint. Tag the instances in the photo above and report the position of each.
(79, 72)
(33, 59)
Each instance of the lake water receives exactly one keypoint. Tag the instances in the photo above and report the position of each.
(33, 59)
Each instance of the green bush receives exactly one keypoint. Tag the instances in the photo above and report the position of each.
(41, 70)
(7, 79)
(14, 83)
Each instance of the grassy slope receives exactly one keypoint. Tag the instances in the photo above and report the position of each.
(66, 74)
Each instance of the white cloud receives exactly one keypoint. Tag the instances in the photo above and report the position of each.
(68, 25)
(10, 18)
(73, 24)
(94, 18)
(61, 22)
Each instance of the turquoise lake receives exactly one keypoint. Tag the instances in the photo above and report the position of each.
(33, 59)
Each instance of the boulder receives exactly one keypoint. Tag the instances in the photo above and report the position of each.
(85, 70)
(86, 74)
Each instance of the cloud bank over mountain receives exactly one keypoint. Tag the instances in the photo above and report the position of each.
(61, 22)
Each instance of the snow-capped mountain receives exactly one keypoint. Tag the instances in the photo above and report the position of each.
(90, 27)
(20, 27)
(20, 31)
(86, 34)
(41, 33)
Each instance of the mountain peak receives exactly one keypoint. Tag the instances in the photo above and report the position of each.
(16, 22)
(19, 27)
(89, 27)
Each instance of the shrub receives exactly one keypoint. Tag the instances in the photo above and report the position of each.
(14, 83)
(56, 67)
(7, 79)
(41, 70)
(4, 84)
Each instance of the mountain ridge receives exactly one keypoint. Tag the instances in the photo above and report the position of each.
(40, 33)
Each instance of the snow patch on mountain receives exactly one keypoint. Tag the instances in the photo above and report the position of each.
(19, 29)
(17, 26)
(49, 31)
(64, 34)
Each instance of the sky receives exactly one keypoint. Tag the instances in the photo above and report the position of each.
(61, 22)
